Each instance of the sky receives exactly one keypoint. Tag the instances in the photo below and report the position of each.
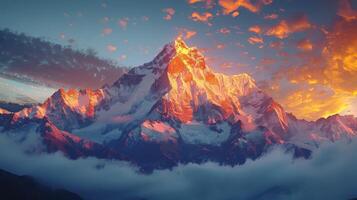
(302, 52)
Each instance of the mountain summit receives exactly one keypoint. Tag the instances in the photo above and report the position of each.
(173, 109)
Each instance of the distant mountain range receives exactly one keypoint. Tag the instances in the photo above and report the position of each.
(172, 110)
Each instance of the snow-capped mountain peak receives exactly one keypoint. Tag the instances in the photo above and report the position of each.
(176, 108)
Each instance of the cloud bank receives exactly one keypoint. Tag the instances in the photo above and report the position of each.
(330, 174)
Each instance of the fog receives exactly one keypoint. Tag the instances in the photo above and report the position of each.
(329, 174)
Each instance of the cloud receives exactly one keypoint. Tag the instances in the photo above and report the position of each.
(314, 102)
(204, 17)
(340, 53)
(229, 6)
(122, 57)
(346, 11)
(329, 174)
(276, 45)
(255, 40)
(111, 48)
(186, 33)
(325, 82)
(255, 29)
(235, 14)
(208, 3)
(284, 28)
(225, 31)
(57, 66)
(194, 1)
(267, 2)
(123, 23)
(305, 45)
(107, 31)
(169, 13)
(220, 46)
(271, 16)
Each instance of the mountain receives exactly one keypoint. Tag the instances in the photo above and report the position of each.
(172, 110)
(36, 60)
(24, 187)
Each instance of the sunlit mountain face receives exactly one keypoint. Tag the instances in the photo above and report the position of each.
(196, 99)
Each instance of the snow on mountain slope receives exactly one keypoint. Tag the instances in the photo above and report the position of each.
(194, 86)
(66, 109)
(309, 134)
(176, 109)
(199, 133)
(41, 135)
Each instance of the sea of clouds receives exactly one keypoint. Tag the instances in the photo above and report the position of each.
(331, 173)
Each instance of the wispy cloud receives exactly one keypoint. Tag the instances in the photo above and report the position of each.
(284, 28)
(201, 17)
(255, 40)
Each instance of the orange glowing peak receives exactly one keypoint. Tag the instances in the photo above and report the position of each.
(82, 102)
(180, 46)
(194, 84)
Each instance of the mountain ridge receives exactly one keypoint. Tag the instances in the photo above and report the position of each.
(176, 109)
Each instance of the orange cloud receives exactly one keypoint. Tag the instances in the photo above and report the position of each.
(190, 34)
(284, 28)
(186, 33)
(314, 103)
(346, 11)
(305, 45)
(208, 3)
(255, 29)
(255, 40)
(235, 14)
(326, 83)
(229, 6)
(341, 56)
(169, 13)
(204, 17)
(194, 1)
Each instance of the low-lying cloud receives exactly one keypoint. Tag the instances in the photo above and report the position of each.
(329, 174)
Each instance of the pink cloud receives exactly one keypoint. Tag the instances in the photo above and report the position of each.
(111, 48)
(107, 31)
(123, 23)
(169, 13)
